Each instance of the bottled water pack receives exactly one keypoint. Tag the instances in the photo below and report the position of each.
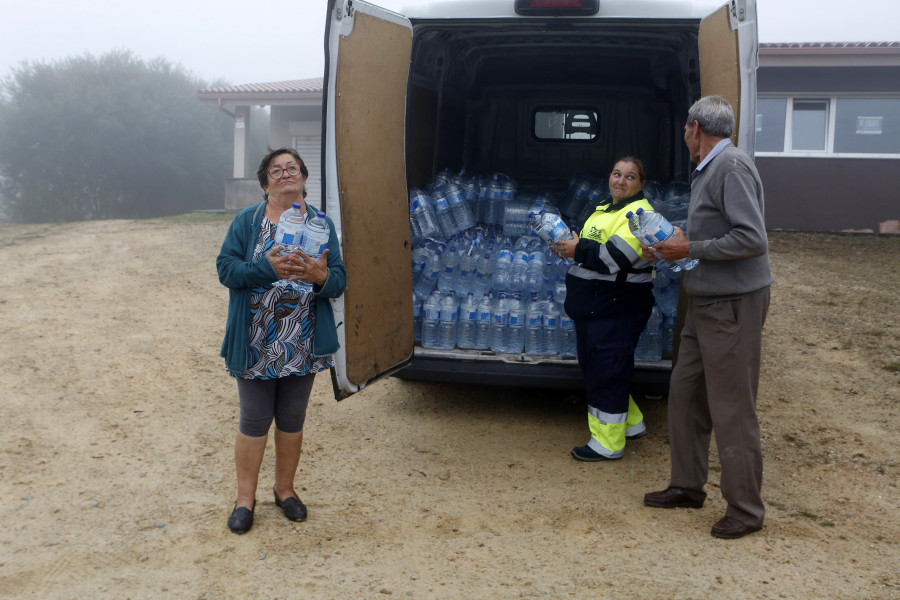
(288, 235)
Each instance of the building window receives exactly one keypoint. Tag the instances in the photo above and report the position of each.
(770, 119)
(828, 126)
(809, 118)
(867, 125)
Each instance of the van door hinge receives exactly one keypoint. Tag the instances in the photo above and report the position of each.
(349, 11)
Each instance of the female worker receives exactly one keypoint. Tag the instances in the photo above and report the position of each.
(609, 296)
(276, 337)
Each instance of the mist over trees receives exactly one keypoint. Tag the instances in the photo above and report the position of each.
(108, 137)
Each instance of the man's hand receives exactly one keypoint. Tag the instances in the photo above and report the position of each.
(672, 249)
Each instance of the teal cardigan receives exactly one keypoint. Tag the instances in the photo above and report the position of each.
(239, 273)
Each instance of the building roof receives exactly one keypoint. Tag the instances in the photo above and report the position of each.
(829, 54)
(275, 92)
(830, 48)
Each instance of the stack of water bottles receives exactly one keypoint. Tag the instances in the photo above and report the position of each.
(484, 275)
(295, 233)
(475, 291)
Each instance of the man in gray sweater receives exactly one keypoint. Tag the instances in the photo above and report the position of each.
(716, 375)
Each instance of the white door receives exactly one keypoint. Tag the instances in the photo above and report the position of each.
(367, 68)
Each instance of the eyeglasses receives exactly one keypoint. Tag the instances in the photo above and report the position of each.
(278, 172)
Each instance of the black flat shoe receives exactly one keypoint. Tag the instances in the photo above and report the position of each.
(291, 506)
(241, 519)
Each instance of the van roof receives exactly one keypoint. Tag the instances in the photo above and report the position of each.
(489, 9)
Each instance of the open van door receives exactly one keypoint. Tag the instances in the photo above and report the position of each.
(729, 55)
(366, 71)
(728, 48)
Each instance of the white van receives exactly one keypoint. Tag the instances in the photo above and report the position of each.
(458, 84)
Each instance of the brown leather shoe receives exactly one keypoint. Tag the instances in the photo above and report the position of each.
(730, 529)
(674, 497)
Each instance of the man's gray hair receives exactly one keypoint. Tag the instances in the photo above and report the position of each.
(714, 115)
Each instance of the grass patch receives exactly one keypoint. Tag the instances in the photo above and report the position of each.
(808, 515)
(892, 367)
(775, 504)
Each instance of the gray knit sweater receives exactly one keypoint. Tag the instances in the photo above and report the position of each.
(726, 229)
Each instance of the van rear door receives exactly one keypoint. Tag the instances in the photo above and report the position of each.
(366, 74)
(728, 48)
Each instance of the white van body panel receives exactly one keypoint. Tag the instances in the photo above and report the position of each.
(429, 59)
(491, 9)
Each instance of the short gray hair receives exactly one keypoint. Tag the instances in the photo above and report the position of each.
(714, 115)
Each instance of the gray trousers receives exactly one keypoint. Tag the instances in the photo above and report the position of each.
(713, 388)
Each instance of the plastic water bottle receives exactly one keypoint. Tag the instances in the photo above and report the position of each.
(534, 318)
(288, 235)
(534, 272)
(420, 256)
(483, 327)
(536, 223)
(448, 317)
(517, 270)
(427, 281)
(314, 243)
(421, 211)
(465, 278)
(499, 323)
(515, 341)
(417, 318)
(459, 208)
(551, 330)
(649, 347)
(431, 316)
(484, 271)
(568, 346)
(502, 269)
(443, 211)
(447, 278)
(652, 228)
(468, 322)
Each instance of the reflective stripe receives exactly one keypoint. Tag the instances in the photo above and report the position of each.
(606, 418)
(582, 273)
(611, 265)
(635, 430)
(599, 448)
(635, 421)
(607, 432)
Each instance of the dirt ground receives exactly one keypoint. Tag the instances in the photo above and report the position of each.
(116, 471)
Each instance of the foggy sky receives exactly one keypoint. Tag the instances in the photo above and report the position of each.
(243, 43)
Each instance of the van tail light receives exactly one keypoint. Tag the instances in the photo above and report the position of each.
(558, 8)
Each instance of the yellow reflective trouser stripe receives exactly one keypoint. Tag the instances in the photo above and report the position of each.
(634, 424)
(608, 430)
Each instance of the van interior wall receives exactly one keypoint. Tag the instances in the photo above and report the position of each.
(473, 97)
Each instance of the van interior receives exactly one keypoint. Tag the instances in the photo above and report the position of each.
(543, 100)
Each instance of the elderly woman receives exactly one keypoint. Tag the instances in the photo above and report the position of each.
(609, 296)
(276, 337)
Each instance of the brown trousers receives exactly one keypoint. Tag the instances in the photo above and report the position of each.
(713, 388)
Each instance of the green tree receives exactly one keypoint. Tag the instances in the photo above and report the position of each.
(108, 137)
